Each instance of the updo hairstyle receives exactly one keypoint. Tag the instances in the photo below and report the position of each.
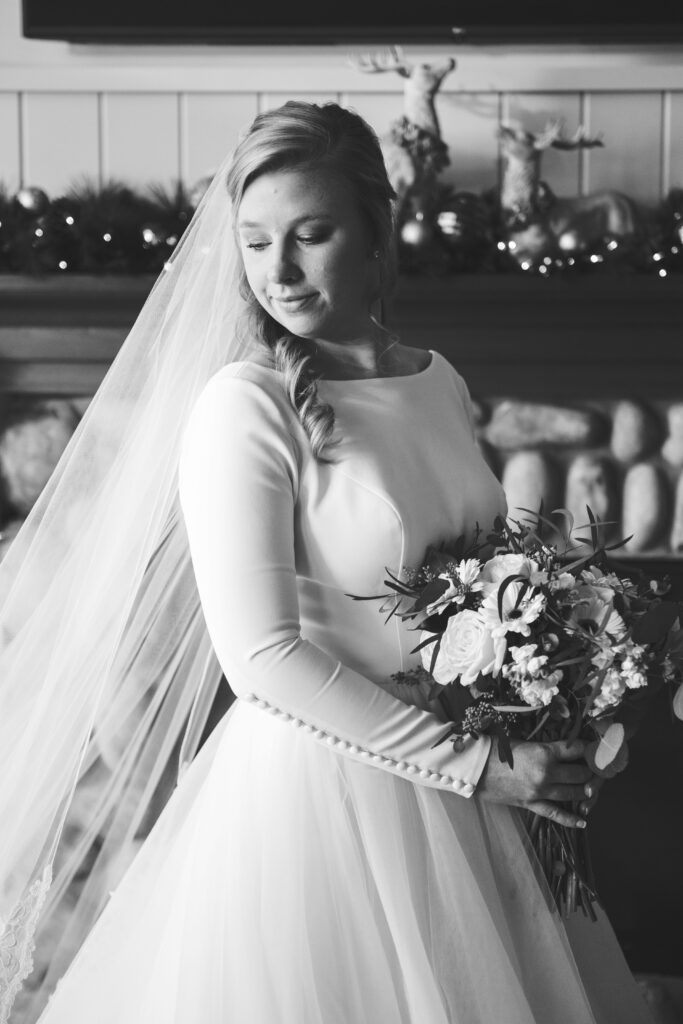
(308, 135)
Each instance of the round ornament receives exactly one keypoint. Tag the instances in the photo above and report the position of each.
(417, 232)
(33, 201)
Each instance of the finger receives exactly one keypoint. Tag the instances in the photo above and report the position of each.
(565, 751)
(592, 792)
(575, 774)
(564, 794)
(554, 812)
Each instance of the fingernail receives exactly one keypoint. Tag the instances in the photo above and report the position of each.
(588, 790)
(581, 823)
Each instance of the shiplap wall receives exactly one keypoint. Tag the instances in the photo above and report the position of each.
(144, 114)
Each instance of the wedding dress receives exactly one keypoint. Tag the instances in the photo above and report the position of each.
(321, 861)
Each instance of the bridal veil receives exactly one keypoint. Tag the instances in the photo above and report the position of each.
(105, 661)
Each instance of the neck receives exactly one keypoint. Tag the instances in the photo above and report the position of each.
(369, 357)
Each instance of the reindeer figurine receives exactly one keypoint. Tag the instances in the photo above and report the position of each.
(537, 222)
(413, 151)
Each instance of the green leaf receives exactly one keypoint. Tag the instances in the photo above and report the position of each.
(654, 625)
(423, 643)
(503, 587)
(678, 703)
(504, 748)
(609, 755)
(432, 592)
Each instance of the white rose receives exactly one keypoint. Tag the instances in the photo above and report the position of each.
(501, 566)
(467, 648)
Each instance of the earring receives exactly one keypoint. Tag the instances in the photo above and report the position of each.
(375, 254)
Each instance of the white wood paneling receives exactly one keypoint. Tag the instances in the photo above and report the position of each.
(60, 139)
(378, 109)
(326, 68)
(140, 137)
(631, 160)
(561, 169)
(210, 124)
(10, 157)
(270, 100)
(675, 147)
(469, 123)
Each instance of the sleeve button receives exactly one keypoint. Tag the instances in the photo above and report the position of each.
(424, 774)
(331, 740)
(402, 765)
(434, 777)
(319, 734)
(377, 758)
(353, 749)
(389, 763)
(411, 769)
(342, 744)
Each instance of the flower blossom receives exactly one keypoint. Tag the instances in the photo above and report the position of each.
(501, 566)
(528, 674)
(467, 649)
(625, 672)
(466, 580)
(590, 607)
(517, 615)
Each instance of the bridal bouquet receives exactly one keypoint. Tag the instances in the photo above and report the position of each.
(531, 643)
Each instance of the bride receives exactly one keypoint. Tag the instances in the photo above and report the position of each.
(262, 448)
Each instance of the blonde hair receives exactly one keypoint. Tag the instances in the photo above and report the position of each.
(307, 134)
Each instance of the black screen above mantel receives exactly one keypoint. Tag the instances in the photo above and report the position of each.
(271, 21)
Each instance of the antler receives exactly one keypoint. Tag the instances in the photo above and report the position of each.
(551, 135)
(392, 60)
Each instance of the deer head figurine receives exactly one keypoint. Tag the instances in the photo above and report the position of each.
(538, 222)
(422, 82)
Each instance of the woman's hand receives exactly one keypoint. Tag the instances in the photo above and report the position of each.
(545, 778)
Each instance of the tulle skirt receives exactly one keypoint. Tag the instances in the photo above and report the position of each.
(285, 883)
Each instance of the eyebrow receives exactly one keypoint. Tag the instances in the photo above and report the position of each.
(302, 220)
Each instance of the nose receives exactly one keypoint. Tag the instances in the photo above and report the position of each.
(283, 266)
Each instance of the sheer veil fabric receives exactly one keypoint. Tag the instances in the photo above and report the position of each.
(105, 662)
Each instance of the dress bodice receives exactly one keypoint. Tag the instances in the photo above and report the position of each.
(279, 540)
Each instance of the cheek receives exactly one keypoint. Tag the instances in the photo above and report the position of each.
(349, 275)
(255, 280)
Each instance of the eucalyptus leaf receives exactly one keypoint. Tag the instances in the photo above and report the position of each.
(678, 703)
(654, 625)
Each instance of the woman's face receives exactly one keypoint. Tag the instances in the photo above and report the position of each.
(307, 253)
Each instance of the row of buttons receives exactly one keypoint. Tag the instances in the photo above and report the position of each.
(464, 788)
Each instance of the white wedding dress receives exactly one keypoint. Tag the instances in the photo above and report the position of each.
(321, 862)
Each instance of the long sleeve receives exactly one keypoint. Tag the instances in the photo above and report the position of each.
(238, 481)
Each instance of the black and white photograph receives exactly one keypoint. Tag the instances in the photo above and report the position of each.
(341, 512)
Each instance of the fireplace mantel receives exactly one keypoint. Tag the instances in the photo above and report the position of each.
(579, 337)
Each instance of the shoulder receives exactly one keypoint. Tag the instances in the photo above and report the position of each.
(244, 386)
(240, 405)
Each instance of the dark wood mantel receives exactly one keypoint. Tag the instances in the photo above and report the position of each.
(580, 337)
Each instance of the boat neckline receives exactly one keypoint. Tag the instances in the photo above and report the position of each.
(373, 380)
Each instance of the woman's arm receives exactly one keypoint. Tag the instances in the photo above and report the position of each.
(238, 478)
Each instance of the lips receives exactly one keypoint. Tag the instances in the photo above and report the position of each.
(292, 303)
